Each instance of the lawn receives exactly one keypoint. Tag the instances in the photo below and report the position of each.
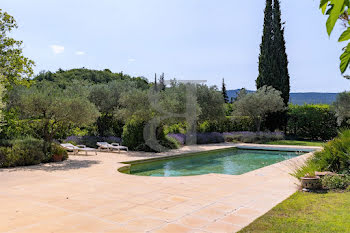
(306, 212)
(296, 143)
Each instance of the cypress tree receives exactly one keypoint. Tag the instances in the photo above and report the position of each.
(155, 82)
(273, 61)
(281, 55)
(266, 61)
(162, 82)
(224, 92)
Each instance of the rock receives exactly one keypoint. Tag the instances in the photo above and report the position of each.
(325, 174)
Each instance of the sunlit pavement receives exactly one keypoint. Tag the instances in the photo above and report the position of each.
(88, 194)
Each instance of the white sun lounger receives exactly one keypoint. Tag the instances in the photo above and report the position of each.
(111, 147)
(77, 149)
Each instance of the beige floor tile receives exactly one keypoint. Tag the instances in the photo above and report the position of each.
(221, 227)
(173, 228)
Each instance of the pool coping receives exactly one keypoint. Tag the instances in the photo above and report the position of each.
(309, 150)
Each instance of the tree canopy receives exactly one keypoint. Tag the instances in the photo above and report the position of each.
(259, 104)
(15, 68)
(53, 108)
(338, 10)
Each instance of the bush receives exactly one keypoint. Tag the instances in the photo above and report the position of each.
(180, 138)
(57, 149)
(252, 137)
(315, 122)
(23, 152)
(336, 182)
(334, 157)
(134, 139)
(202, 138)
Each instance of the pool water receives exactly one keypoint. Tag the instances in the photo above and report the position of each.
(231, 161)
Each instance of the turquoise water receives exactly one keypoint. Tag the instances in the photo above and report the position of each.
(232, 162)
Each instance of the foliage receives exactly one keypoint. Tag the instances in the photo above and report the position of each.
(53, 108)
(23, 152)
(342, 107)
(14, 67)
(224, 92)
(257, 105)
(133, 136)
(334, 157)
(208, 138)
(210, 102)
(338, 10)
(273, 62)
(202, 138)
(64, 78)
(335, 182)
(57, 149)
(179, 137)
(306, 212)
(106, 98)
(253, 137)
(315, 122)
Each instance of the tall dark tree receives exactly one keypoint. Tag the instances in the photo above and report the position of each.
(162, 82)
(266, 61)
(273, 61)
(155, 83)
(224, 92)
(282, 74)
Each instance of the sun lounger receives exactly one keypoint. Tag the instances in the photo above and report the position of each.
(111, 147)
(77, 149)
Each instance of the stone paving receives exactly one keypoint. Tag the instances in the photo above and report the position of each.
(88, 194)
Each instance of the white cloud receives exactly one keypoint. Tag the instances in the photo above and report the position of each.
(80, 53)
(57, 49)
(131, 60)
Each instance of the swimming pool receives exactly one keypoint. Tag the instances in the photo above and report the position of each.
(230, 161)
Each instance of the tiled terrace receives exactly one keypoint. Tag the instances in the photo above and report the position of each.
(88, 194)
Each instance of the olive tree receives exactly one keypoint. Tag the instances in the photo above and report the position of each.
(53, 109)
(259, 104)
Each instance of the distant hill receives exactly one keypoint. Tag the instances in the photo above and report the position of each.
(301, 98)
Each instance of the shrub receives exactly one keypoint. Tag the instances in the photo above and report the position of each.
(253, 137)
(23, 152)
(180, 138)
(336, 182)
(57, 149)
(134, 139)
(334, 157)
(208, 138)
(315, 122)
(202, 138)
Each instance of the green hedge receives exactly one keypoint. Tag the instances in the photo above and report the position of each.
(315, 122)
(229, 124)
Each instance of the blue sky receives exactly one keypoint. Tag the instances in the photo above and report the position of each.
(185, 39)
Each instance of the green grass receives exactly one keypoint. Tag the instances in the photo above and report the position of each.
(306, 212)
(296, 143)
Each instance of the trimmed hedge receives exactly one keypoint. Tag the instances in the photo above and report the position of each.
(315, 122)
